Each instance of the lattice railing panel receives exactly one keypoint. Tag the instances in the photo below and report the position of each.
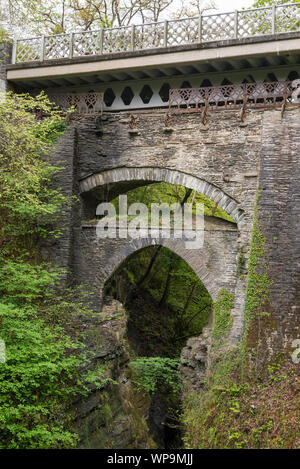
(57, 47)
(28, 50)
(216, 27)
(248, 95)
(183, 32)
(83, 103)
(116, 40)
(255, 22)
(149, 36)
(87, 43)
(287, 18)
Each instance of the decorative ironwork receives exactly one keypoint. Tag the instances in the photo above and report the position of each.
(116, 40)
(184, 31)
(205, 28)
(243, 96)
(82, 103)
(87, 43)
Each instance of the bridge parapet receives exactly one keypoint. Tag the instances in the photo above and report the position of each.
(203, 29)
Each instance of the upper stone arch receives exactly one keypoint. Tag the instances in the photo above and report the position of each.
(147, 175)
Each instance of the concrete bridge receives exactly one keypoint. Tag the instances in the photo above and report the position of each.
(135, 67)
(232, 159)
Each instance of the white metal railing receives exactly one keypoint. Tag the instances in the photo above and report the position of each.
(205, 28)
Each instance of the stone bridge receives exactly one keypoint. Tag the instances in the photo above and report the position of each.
(103, 159)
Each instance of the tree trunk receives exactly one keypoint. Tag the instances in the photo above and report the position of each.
(189, 298)
(186, 197)
(147, 273)
(167, 288)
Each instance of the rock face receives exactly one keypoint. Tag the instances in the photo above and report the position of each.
(194, 362)
(115, 415)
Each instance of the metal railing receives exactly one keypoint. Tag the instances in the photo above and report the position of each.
(82, 103)
(242, 96)
(205, 28)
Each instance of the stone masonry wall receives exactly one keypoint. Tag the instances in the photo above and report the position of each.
(5, 54)
(279, 222)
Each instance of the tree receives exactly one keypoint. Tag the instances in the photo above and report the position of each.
(195, 7)
(45, 357)
(61, 16)
(265, 3)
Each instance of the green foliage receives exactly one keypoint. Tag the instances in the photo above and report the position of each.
(35, 381)
(168, 193)
(45, 359)
(265, 3)
(28, 203)
(222, 317)
(45, 355)
(22, 283)
(156, 373)
(231, 414)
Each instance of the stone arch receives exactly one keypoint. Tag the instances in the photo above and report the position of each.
(149, 174)
(178, 247)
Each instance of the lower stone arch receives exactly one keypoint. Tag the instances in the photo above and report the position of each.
(177, 246)
(171, 176)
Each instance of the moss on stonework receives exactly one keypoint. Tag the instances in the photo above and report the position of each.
(258, 281)
(222, 316)
(234, 409)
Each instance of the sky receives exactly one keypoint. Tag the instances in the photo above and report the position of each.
(231, 5)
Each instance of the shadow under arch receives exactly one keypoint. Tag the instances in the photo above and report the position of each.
(173, 311)
(129, 178)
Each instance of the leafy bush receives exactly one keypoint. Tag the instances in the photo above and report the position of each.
(28, 202)
(153, 373)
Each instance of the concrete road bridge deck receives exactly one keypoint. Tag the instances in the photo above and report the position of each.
(135, 67)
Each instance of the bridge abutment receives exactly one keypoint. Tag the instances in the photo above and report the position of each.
(5, 58)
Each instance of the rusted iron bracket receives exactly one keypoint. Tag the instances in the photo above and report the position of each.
(168, 129)
(132, 121)
(204, 115)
